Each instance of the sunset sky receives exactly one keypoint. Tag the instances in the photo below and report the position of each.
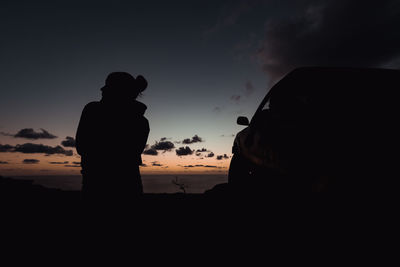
(206, 63)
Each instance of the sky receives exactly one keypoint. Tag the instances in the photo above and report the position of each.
(206, 62)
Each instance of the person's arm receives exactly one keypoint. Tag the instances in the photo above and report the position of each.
(144, 135)
(82, 134)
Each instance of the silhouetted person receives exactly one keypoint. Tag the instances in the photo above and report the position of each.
(111, 136)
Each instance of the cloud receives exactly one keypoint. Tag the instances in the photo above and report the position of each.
(186, 141)
(333, 33)
(210, 155)
(236, 98)
(68, 142)
(201, 165)
(29, 133)
(199, 151)
(212, 166)
(30, 148)
(150, 151)
(6, 148)
(163, 145)
(184, 151)
(58, 162)
(30, 161)
(156, 163)
(195, 139)
(229, 135)
(3, 162)
(249, 89)
(72, 166)
(220, 157)
(217, 110)
(230, 16)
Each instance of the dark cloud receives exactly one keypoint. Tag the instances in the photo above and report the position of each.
(72, 166)
(229, 135)
(210, 155)
(201, 165)
(163, 145)
(188, 166)
(6, 148)
(199, 151)
(30, 148)
(29, 133)
(3, 162)
(76, 162)
(143, 165)
(236, 98)
(68, 142)
(333, 33)
(156, 163)
(150, 151)
(217, 110)
(212, 166)
(184, 151)
(224, 156)
(186, 141)
(58, 162)
(30, 161)
(195, 139)
(231, 16)
(249, 89)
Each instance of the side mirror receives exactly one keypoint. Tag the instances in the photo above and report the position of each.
(242, 121)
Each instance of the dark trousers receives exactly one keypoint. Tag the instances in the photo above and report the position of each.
(104, 185)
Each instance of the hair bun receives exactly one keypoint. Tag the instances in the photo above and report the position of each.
(141, 83)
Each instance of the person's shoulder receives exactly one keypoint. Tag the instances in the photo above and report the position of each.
(92, 105)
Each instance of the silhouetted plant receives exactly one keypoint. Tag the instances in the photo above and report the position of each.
(181, 186)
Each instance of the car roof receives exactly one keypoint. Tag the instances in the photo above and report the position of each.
(334, 88)
(328, 84)
(327, 75)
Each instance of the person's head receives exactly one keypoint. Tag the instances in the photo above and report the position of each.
(123, 85)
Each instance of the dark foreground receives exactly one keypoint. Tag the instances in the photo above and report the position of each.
(25, 191)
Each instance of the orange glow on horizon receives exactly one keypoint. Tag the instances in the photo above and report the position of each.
(165, 163)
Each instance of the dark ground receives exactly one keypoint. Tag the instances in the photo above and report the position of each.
(26, 191)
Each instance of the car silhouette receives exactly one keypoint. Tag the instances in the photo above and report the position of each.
(319, 129)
